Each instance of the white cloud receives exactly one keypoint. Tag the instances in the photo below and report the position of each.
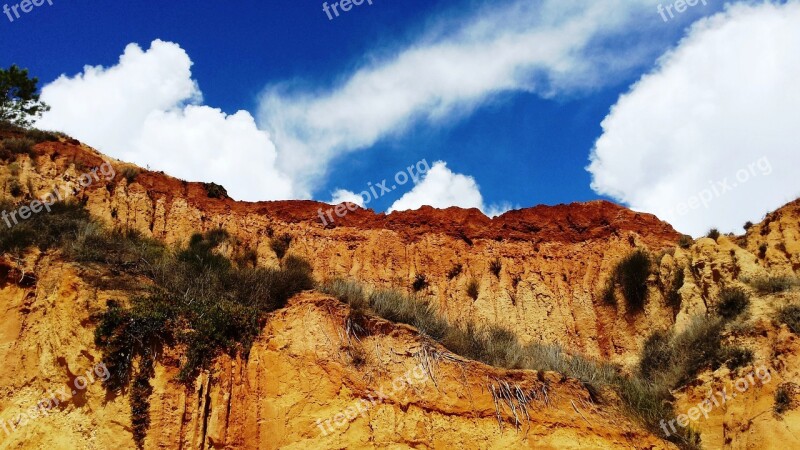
(146, 110)
(441, 188)
(725, 100)
(345, 196)
(543, 47)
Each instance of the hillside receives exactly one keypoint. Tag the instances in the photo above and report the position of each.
(539, 272)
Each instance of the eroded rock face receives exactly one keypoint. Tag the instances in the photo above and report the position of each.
(299, 388)
(554, 260)
(553, 264)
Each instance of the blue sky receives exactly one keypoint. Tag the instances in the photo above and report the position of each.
(524, 134)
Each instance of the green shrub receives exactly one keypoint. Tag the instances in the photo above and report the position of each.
(44, 230)
(280, 245)
(473, 289)
(631, 274)
(738, 357)
(732, 302)
(713, 234)
(10, 148)
(38, 136)
(495, 267)
(772, 284)
(673, 359)
(657, 355)
(762, 251)
(748, 225)
(790, 315)
(685, 241)
(214, 190)
(198, 299)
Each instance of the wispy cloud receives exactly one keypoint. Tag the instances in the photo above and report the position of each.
(545, 47)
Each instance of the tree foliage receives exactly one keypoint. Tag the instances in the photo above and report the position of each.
(19, 97)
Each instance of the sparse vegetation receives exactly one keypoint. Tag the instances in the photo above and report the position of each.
(280, 244)
(10, 148)
(495, 267)
(790, 315)
(646, 401)
(685, 241)
(748, 225)
(772, 284)
(473, 289)
(631, 275)
(732, 302)
(672, 360)
(214, 190)
(762, 251)
(196, 298)
(713, 234)
(130, 173)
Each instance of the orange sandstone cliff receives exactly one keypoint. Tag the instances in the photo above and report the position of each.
(296, 389)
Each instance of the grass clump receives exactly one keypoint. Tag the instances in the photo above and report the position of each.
(790, 315)
(783, 399)
(420, 282)
(685, 241)
(738, 357)
(473, 289)
(772, 284)
(10, 148)
(713, 234)
(732, 302)
(130, 173)
(280, 245)
(495, 267)
(631, 275)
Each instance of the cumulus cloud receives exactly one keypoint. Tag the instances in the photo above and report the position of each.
(544, 47)
(441, 188)
(146, 109)
(708, 139)
(345, 196)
